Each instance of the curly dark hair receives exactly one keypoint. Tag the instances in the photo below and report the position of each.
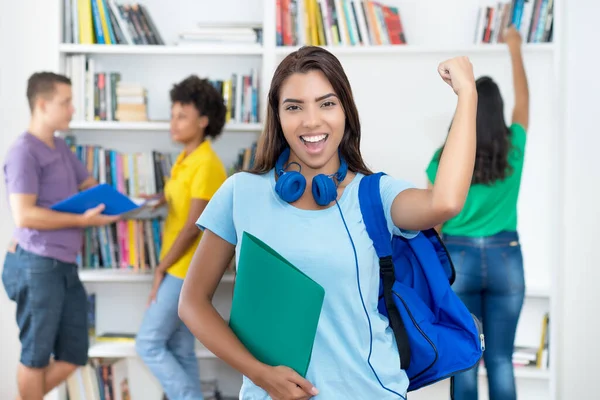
(205, 98)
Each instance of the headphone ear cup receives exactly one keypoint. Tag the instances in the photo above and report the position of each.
(290, 186)
(323, 189)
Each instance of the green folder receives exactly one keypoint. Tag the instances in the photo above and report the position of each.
(275, 308)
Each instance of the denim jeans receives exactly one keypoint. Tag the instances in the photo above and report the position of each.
(166, 345)
(491, 282)
(51, 308)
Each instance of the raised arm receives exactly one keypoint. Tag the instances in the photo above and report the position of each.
(521, 110)
(419, 209)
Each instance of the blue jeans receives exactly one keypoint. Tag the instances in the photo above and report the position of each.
(491, 282)
(51, 308)
(166, 345)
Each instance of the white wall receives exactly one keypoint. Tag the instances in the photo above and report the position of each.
(578, 329)
(28, 43)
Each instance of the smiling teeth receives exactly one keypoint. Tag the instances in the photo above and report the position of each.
(313, 139)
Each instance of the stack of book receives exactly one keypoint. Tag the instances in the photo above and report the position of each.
(101, 95)
(131, 102)
(222, 33)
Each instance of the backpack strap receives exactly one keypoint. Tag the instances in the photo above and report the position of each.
(371, 207)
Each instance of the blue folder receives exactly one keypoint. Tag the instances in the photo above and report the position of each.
(115, 202)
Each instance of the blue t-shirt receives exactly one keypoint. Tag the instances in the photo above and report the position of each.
(317, 243)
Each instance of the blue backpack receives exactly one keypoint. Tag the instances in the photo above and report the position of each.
(437, 336)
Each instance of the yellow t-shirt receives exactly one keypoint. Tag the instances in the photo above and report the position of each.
(197, 176)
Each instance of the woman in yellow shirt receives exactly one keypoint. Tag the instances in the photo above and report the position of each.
(164, 342)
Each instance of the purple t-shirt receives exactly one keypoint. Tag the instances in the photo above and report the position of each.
(32, 167)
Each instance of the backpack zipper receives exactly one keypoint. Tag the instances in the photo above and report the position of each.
(482, 344)
(480, 331)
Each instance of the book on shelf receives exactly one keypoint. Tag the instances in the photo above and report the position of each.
(134, 174)
(534, 356)
(108, 378)
(524, 356)
(115, 337)
(106, 22)
(115, 203)
(100, 378)
(131, 102)
(105, 96)
(532, 18)
(240, 96)
(543, 351)
(129, 243)
(245, 160)
(226, 33)
(338, 22)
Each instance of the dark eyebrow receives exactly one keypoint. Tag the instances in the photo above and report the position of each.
(317, 99)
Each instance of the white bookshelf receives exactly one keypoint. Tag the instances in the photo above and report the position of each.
(126, 349)
(405, 111)
(193, 50)
(409, 49)
(161, 126)
(107, 275)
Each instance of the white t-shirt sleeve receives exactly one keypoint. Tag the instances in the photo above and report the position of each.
(390, 188)
(217, 217)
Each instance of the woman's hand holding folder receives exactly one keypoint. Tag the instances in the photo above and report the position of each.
(283, 383)
(196, 310)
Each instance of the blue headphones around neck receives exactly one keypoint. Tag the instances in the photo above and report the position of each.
(291, 184)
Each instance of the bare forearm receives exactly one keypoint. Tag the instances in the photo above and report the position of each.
(455, 170)
(520, 85)
(209, 327)
(88, 183)
(182, 243)
(45, 219)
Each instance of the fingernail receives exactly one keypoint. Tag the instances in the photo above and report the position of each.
(314, 391)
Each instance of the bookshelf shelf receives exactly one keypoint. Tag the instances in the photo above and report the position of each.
(125, 275)
(151, 126)
(416, 49)
(525, 373)
(126, 349)
(213, 49)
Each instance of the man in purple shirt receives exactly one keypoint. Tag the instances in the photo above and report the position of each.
(40, 273)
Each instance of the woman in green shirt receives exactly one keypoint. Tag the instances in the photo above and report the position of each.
(482, 239)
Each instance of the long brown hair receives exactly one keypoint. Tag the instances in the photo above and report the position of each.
(272, 142)
(494, 139)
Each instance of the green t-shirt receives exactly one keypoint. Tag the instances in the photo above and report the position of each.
(489, 209)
